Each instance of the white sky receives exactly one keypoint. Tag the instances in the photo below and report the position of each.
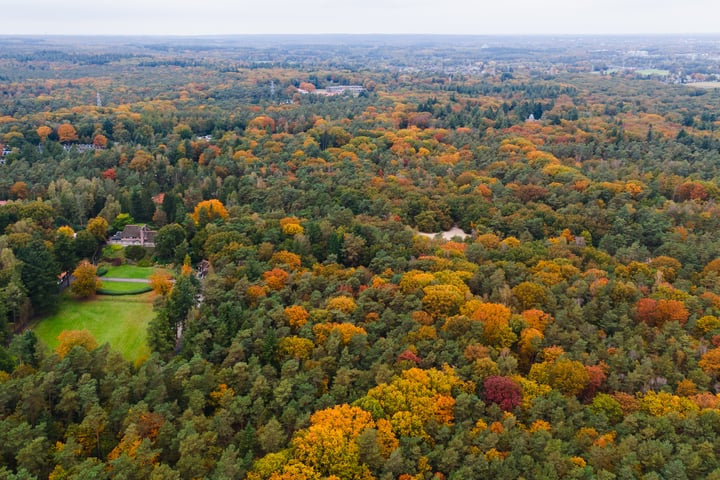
(207, 17)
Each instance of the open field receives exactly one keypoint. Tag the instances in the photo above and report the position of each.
(132, 271)
(129, 271)
(120, 321)
(124, 287)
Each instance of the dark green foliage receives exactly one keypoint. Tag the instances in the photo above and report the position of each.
(135, 252)
(39, 274)
(167, 242)
(168, 324)
(86, 245)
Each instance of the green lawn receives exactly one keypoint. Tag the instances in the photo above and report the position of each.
(131, 271)
(124, 287)
(120, 321)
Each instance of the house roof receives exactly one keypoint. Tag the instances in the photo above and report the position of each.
(131, 231)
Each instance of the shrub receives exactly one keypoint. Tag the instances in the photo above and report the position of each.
(145, 262)
(140, 290)
(135, 252)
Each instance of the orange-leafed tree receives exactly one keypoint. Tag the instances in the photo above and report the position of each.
(43, 132)
(161, 283)
(672, 311)
(85, 281)
(70, 339)
(297, 316)
(67, 133)
(345, 330)
(491, 311)
(255, 293)
(307, 86)
(262, 122)
(276, 279)
(100, 141)
(536, 319)
(289, 259)
(658, 312)
(710, 362)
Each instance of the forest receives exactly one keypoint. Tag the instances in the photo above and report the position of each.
(568, 327)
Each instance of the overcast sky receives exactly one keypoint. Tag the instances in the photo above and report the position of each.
(203, 17)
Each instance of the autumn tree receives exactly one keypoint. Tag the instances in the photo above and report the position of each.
(567, 376)
(291, 226)
(710, 362)
(297, 316)
(342, 303)
(276, 279)
(658, 312)
(98, 226)
(307, 86)
(329, 443)
(67, 133)
(43, 132)
(529, 295)
(100, 141)
(19, 190)
(85, 281)
(70, 339)
(442, 300)
(161, 283)
(289, 259)
(503, 391)
(208, 211)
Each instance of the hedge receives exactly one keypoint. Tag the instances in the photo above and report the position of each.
(145, 289)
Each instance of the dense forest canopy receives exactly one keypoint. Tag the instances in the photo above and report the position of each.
(318, 324)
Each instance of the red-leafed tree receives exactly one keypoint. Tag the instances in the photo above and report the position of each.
(502, 390)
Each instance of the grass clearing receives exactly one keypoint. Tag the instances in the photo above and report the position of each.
(120, 321)
(132, 271)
